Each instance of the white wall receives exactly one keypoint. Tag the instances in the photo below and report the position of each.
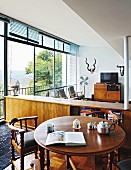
(106, 61)
(129, 80)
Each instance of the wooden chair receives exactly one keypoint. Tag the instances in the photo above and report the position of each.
(124, 165)
(99, 114)
(124, 152)
(61, 94)
(106, 113)
(22, 139)
(74, 94)
(103, 114)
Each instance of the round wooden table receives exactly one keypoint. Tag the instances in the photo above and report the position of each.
(96, 144)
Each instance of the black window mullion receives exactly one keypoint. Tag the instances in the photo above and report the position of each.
(42, 39)
(54, 73)
(5, 60)
(27, 34)
(34, 72)
(66, 77)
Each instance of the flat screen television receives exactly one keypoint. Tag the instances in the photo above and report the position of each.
(109, 77)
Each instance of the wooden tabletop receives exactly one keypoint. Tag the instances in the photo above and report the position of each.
(97, 144)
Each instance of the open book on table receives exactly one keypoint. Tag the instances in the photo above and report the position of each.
(67, 138)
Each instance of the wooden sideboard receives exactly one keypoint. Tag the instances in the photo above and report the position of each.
(48, 107)
(107, 92)
(33, 105)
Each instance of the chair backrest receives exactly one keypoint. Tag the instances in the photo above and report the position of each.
(22, 138)
(97, 114)
(19, 126)
(72, 92)
(71, 89)
(124, 164)
(25, 122)
(62, 94)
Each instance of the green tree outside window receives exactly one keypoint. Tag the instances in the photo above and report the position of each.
(44, 66)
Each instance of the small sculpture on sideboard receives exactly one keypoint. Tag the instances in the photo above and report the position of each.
(16, 88)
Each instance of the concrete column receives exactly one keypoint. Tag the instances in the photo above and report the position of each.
(126, 74)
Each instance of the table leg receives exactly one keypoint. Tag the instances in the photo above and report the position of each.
(48, 159)
(42, 157)
(93, 162)
(97, 163)
(67, 162)
(111, 160)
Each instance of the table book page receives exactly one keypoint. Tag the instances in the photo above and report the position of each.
(68, 138)
(74, 138)
(55, 137)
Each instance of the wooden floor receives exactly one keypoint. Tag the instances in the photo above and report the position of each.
(58, 162)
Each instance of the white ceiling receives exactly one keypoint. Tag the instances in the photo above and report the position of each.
(109, 18)
(93, 23)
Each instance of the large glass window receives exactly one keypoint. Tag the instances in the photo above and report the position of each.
(58, 45)
(38, 69)
(38, 63)
(18, 30)
(71, 70)
(33, 35)
(60, 71)
(1, 28)
(20, 59)
(44, 72)
(1, 65)
(22, 31)
(1, 69)
(66, 47)
(48, 42)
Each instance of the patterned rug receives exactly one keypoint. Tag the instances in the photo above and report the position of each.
(4, 146)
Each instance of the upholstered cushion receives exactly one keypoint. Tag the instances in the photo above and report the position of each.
(124, 165)
(28, 139)
(80, 96)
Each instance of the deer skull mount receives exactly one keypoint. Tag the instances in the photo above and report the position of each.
(92, 69)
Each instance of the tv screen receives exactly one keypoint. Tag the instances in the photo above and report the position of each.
(109, 77)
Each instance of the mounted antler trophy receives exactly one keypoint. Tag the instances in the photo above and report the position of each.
(91, 69)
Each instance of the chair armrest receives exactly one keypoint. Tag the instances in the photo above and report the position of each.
(16, 129)
(90, 113)
(22, 133)
(27, 118)
(79, 92)
(72, 95)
